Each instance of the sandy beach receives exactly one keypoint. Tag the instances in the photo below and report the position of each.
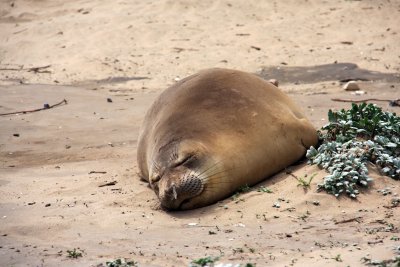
(68, 175)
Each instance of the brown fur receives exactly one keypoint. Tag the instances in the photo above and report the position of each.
(240, 127)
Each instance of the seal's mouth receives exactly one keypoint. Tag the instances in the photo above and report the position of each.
(186, 201)
(183, 205)
(180, 206)
(174, 204)
(178, 195)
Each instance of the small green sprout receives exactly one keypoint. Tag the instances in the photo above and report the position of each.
(304, 183)
(264, 189)
(305, 216)
(338, 258)
(121, 263)
(243, 189)
(75, 253)
(238, 250)
(204, 261)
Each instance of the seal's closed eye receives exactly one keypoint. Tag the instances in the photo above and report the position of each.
(155, 180)
(186, 161)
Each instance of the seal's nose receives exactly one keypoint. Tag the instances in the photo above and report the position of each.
(172, 191)
(172, 195)
(169, 197)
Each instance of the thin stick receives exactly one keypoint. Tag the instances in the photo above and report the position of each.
(35, 110)
(357, 219)
(34, 69)
(101, 172)
(291, 174)
(11, 69)
(108, 184)
(365, 100)
(37, 69)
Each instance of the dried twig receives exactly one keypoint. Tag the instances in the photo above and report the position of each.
(200, 226)
(101, 172)
(39, 69)
(375, 242)
(395, 102)
(46, 106)
(291, 174)
(357, 219)
(180, 49)
(33, 69)
(108, 184)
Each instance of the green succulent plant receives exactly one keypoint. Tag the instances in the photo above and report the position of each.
(350, 140)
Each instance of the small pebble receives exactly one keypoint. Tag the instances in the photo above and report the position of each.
(276, 205)
(351, 86)
(359, 92)
(274, 82)
(109, 100)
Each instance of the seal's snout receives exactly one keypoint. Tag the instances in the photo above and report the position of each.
(169, 197)
(191, 186)
(178, 192)
(171, 192)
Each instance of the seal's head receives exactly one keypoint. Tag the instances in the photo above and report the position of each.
(180, 175)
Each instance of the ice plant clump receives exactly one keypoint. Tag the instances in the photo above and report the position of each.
(353, 138)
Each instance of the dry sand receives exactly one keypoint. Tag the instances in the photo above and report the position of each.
(88, 51)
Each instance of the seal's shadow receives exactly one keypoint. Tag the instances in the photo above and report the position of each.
(267, 182)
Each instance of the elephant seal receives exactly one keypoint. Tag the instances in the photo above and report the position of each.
(216, 131)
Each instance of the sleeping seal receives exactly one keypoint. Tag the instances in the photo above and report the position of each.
(215, 131)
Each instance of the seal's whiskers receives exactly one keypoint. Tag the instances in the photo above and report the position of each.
(210, 168)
